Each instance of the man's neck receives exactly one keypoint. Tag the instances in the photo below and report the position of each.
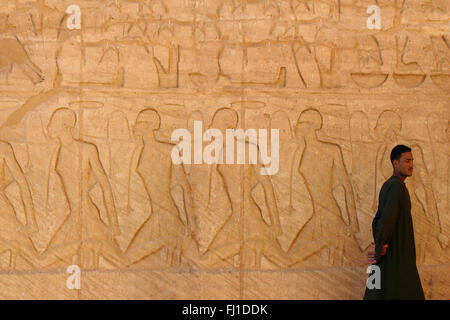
(399, 175)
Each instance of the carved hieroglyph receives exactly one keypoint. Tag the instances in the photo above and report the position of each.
(91, 96)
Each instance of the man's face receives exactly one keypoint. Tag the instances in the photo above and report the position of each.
(404, 166)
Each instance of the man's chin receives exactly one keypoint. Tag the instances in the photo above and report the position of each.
(406, 174)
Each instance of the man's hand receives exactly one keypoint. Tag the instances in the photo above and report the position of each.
(443, 239)
(276, 230)
(115, 230)
(31, 228)
(371, 254)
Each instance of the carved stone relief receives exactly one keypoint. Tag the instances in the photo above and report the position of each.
(87, 114)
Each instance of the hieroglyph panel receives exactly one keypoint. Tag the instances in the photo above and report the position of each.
(244, 141)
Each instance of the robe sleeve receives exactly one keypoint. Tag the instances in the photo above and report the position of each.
(388, 218)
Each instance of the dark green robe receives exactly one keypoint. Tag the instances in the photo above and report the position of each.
(393, 225)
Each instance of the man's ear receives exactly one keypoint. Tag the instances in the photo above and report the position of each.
(395, 164)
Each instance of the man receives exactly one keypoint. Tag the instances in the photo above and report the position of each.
(392, 227)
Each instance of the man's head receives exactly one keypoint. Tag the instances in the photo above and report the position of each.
(225, 118)
(309, 121)
(147, 121)
(62, 121)
(389, 125)
(402, 161)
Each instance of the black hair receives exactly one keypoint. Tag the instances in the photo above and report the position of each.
(396, 153)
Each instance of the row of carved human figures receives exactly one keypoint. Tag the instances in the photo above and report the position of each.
(203, 215)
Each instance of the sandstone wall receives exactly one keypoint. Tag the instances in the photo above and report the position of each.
(86, 116)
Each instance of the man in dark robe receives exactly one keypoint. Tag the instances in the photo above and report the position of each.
(392, 227)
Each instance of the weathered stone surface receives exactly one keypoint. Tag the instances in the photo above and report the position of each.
(86, 172)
